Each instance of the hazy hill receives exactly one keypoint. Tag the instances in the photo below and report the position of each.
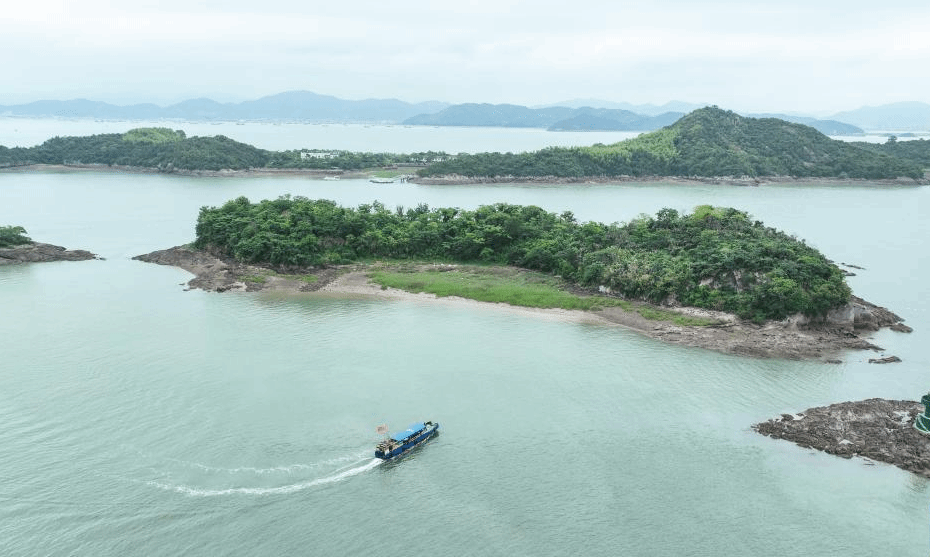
(292, 105)
(304, 105)
(901, 116)
(556, 118)
(708, 142)
(826, 127)
(498, 115)
(593, 119)
(645, 109)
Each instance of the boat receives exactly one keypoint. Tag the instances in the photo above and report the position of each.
(922, 422)
(398, 444)
(381, 180)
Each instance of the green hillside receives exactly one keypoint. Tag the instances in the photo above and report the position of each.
(155, 148)
(709, 142)
(167, 150)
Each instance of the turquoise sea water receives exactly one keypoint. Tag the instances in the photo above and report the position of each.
(140, 419)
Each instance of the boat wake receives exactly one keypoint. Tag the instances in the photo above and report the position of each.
(288, 469)
(338, 476)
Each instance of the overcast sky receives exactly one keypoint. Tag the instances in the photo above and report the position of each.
(788, 55)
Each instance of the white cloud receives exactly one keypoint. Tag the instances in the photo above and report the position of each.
(792, 55)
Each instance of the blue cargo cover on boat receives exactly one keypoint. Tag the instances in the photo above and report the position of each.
(411, 429)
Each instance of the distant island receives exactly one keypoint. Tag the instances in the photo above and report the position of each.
(16, 248)
(559, 118)
(709, 142)
(714, 278)
(556, 118)
(704, 144)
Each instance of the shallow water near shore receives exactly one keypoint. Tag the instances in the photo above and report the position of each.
(138, 418)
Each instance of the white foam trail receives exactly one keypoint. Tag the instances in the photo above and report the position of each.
(283, 490)
(272, 470)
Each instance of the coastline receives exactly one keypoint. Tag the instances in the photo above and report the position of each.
(684, 180)
(252, 172)
(465, 180)
(794, 339)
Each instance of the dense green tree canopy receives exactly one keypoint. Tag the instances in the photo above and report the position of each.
(166, 150)
(13, 236)
(715, 258)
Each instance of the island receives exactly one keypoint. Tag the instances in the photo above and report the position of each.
(706, 145)
(16, 248)
(890, 431)
(709, 143)
(715, 278)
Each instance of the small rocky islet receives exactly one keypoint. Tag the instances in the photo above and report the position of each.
(882, 430)
(38, 252)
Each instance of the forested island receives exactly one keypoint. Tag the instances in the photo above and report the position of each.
(715, 258)
(707, 143)
(714, 278)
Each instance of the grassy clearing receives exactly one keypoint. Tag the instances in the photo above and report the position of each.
(514, 287)
(258, 279)
(517, 290)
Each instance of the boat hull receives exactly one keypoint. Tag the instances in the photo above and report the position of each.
(408, 444)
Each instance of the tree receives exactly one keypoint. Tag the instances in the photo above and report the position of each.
(13, 236)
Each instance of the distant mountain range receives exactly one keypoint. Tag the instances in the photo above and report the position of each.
(901, 116)
(555, 118)
(292, 105)
(826, 127)
(578, 114)
(646, 109)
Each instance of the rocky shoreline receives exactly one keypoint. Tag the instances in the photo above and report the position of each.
(795, 338)
(37, 252)
(455, 179)
(253, 172)
(876, 429)
(724, 180)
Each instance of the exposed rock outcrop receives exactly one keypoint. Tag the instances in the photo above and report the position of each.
(876, 428)
(857, 315)
(218, 274)
(37, 252)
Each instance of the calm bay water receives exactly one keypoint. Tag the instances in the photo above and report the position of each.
(26, 132)
(140, 419)
(23, 132)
